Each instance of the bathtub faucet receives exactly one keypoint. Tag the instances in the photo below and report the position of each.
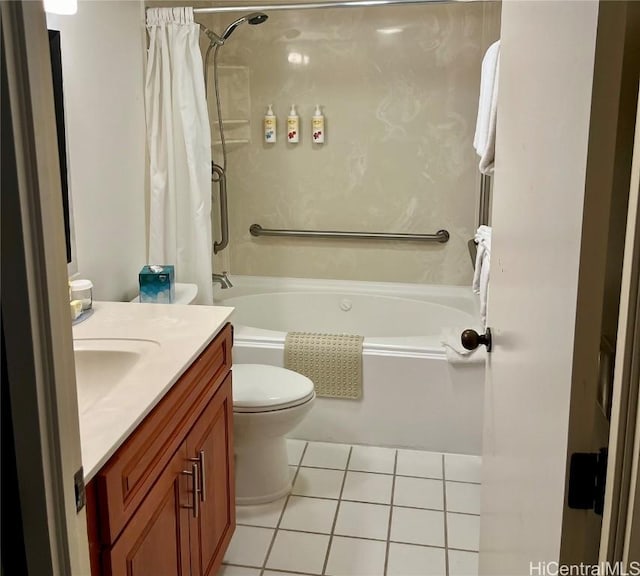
(222, 279)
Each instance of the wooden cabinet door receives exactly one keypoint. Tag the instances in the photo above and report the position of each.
(211, 441)
(156, 540)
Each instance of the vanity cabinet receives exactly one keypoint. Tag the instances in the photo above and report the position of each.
(164, 503)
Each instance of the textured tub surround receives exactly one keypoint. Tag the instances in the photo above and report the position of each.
(400, 89)
(147, 348)
(364, 511)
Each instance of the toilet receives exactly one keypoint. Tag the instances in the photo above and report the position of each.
(268, 402)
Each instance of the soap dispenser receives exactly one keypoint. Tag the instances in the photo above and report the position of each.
(293, 125)
(317, 126)
(270, 126)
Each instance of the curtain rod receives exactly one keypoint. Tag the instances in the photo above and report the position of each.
(316, 5)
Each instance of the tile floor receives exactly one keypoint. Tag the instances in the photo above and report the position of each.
(364, 511)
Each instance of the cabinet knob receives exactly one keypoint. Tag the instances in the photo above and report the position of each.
(470, 339)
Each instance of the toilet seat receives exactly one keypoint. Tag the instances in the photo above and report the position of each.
(263, 388)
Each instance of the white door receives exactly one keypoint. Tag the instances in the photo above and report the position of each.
(555, 158)
(35, 305)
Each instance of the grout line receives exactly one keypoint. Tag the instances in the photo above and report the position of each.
(462, 513)
(335, 518)
(346, 469)
(446, 536)
(462, 482)
(275, 532)
(393, 494)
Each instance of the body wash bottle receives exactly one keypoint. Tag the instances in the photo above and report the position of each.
(293, 125)
(317, 126)
(270, 125)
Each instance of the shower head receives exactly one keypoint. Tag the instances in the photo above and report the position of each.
(254, 19)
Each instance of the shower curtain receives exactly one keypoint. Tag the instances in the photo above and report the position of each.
(179, 140)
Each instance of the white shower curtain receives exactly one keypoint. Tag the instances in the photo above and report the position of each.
(179, 149)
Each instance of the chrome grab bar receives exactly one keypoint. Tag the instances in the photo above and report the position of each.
(224, 211)
(441, 236)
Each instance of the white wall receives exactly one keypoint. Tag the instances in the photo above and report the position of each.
(103, 52)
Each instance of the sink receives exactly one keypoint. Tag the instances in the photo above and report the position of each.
(103, 363)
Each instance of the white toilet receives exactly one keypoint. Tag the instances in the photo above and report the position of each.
(268, 402)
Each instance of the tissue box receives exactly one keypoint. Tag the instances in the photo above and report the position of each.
(157, 284)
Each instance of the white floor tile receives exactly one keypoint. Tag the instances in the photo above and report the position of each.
(418, 463)
(249, 546)
(408, 560)
(463, 563)
(413, 526)
(238, 571)
(354, 557)
(295, 448)
(363, 520)
(309, 514)
(372, 459)
(463, 497)
(326, 455)
(419, 493)
(463, 531)
(274, 573)
(298, 552)
(266, 515)
(365, 487)
(462, 468)
(318, 482)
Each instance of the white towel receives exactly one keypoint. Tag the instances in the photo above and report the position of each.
(484, 284)
(482, 240)
(485, 137)
(483, 265)
(456, 353)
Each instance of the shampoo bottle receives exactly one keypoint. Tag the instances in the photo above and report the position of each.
(270, 125)
(293, 125)
(317, 126)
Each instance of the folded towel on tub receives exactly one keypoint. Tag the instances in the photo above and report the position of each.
(333, 362)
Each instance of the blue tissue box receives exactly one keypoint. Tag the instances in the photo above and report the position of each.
(157, 284)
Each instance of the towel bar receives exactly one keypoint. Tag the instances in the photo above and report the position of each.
(440, 236)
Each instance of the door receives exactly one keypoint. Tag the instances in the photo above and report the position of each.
(210, 444)
(40, 372)
(555, 161)
(622, 503)
(156, 540)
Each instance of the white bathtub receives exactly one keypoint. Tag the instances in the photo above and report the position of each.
(412, 396)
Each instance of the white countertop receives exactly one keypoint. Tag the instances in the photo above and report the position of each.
(181, 333)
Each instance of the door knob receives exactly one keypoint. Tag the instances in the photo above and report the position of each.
(471, 339)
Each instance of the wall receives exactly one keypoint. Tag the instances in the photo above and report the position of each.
(399, 86)
(103, 51)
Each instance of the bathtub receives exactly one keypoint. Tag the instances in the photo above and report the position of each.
(412, 396)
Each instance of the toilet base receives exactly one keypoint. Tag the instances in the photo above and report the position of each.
(262, 471)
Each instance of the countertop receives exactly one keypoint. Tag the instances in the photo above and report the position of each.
(181, 332)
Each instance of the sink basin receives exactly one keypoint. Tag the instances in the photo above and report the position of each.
(102, 364)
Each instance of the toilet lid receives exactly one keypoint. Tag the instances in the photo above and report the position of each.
(262, 388)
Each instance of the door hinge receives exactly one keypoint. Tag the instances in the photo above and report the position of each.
(81, 494)
(587, 478)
